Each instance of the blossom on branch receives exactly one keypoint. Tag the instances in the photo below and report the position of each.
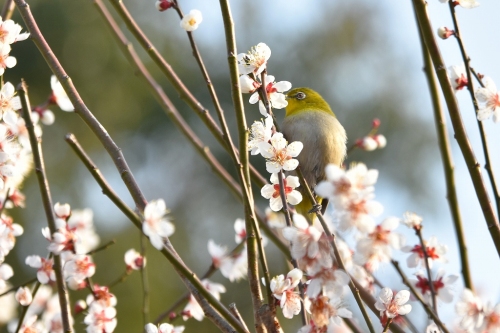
(134, 260)
(283, 290)
(156, 226)
(275, 96)
(391, 306)
(192, 20)
(490, 100)
(59, 95)
(163, 328)
(435, 252)
(261, 131)
(272, 192)
(45, 272)
(279, 154)
(255, 60)
(442, 285)
(458, 77)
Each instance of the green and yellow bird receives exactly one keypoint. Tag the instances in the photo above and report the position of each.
(310, 120)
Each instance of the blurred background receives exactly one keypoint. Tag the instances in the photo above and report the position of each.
(364, 57)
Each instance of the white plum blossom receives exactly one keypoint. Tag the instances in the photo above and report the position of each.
(45, 272)
(329, 282)
(100, 318)
(77, 269)
(442, 285)
(193, 308)
(255, 60)
(6, 272)
(375, 248)
(261, 131)
(275, 96)
(59, 95)
(10, 32)
(309, 247)
(283, 290)
(9, 103)
(81, 221)
(465, 3)
(134, 260)
(391, 306)
(490, 100)
(326, 312)
(6, 61)
(62, 211)
(24, 296)
(64, 239)
(163, 328)
(469, 309)
(492, 319)
(232, 266)
(458, 77)
(192, 20)
(412, 220)
(272, 192)
(279, 153)
(435, 252)
(248, 85)
(156, 226)
(351, 193)
(240, 230)
(8, 233)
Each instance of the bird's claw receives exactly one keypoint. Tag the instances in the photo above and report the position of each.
(316, 209)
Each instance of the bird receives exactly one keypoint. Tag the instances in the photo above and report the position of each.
(310, 120)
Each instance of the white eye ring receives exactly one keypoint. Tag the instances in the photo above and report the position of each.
(300, 95)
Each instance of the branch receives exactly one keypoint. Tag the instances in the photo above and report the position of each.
(43, 184)
(456, 120)
(449, 168)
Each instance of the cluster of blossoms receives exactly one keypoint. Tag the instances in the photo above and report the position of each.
(233, 265)
(487, 96)
(252, 76)
(373, 140)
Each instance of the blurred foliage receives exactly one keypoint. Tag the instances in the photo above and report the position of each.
(343, 51)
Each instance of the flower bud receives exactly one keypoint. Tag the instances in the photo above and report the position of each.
(80, 306)
(163, 5)
(381, 141)
(248, 85)
(367, 143)
(444, 32)
(376, 123)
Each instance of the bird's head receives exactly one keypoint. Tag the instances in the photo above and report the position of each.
(305, 99)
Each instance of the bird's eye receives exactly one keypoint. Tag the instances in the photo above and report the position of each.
(300, 95)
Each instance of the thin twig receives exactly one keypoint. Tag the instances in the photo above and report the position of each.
(458, 126)
(340, 262)
(418, 231)
(236, 313)
(470, 86)
(24, 310)
(419, 297)
(17, 287)
(7, 10)
(144, 282)
(102, 247)
(448, 165)
(43, 184)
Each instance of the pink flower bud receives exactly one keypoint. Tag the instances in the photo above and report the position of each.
(80, 306)
(163, 5)
(368, 144)
(376, 123)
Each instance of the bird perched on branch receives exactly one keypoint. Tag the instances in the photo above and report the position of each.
(310, 120)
